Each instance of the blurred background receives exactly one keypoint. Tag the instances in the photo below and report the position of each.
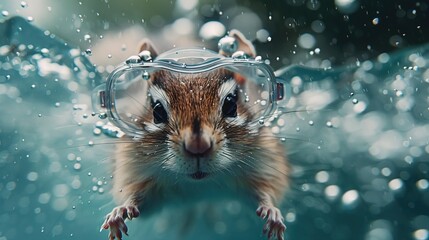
(361, 164)
(312, 32)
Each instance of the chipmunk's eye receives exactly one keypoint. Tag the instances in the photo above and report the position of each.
(159, 113)
(229, 107)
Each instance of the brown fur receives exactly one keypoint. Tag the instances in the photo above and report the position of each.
(258, 161)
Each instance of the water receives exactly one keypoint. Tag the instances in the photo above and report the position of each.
(358, 137)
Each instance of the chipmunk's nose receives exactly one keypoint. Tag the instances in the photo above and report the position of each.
(198, 144)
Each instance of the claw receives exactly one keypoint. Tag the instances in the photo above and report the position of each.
(115, 221)
(273, 227)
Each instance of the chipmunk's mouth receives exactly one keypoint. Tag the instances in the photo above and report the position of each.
(198, 175)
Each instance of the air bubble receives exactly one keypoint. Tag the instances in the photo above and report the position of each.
(33, 86)
(77, 166)
(30, 19)
(322, 177)
(91, 143)
(311, 123)
(24, 4)
(332, 192)
(350, 197)
(146, 75)
(5, 13)
(283, 139)
(375, 21)
(355, 101)
(396, 184)
(421, 234)
(329, 124)
(422, 184)
(57, 104)
(261, 121)
(109, 56)
(87, 37)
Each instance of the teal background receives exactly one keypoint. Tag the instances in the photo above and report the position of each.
(360, 161)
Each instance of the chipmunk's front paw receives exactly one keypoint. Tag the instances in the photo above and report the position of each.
(115, 221)
(274, 227)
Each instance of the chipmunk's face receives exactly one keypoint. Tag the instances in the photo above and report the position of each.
(198, 118)
(197, 124)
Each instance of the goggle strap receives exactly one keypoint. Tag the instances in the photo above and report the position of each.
(280, 91)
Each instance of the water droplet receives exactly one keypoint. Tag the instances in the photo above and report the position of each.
(101, 37)
(57, 104)
(355, 101)
(109, 56)
(91, 143)
(102, 115)
(24, 4)
(5, 13)
(33, 86)
(269, 39)
(283, 139)
(146, 75)
(96, 131)
(298, 129)
(85, 115)
(399, 93)
(329, 124)
(311, 123)
(44, 51)
(270, 17)
(89, 173)
(40, 115)
(261, 121)
(375, 21)
(30, 19)
(87, 37)
(73, 207)
(220, 13)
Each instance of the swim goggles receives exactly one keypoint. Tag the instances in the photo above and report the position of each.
(124, 97)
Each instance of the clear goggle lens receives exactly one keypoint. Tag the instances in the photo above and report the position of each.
(126, 99)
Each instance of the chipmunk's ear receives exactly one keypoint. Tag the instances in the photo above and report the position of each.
(147, 45)
(243, 43)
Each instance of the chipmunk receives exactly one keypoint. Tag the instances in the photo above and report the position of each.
(199, 143)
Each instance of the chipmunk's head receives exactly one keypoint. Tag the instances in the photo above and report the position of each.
(205, 122)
